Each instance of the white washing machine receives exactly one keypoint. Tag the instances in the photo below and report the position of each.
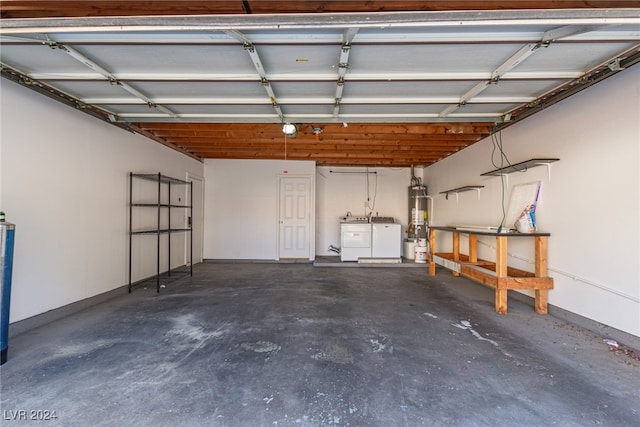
(355, 240)
(386, 241)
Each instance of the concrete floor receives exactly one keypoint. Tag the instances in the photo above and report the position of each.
(297, 345)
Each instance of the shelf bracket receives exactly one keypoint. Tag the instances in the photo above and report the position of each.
(459, 190)
(548, 165)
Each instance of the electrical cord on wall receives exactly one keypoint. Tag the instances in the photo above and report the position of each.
(375, 192)
(496, 140)
(367, 178)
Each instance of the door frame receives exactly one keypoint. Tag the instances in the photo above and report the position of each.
(312, 211)
(195, 177)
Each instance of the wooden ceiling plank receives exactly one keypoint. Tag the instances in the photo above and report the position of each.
(399, 152)
(327, 141)
(323, 147)
(359, 129)
(305, 153)
(212, 135)
(330, 138)
(370, 160)
(302, 6)
(83, 8)
(442, 127)
(357, 162)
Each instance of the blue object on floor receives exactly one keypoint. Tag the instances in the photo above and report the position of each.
(7, 231)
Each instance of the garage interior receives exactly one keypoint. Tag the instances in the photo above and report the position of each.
(351, 104)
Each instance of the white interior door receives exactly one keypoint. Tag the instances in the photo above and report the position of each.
(197, 219)
(295, 217)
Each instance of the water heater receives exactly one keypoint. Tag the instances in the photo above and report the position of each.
(417, 223)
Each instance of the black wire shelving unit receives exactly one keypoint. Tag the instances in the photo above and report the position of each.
(167, 182)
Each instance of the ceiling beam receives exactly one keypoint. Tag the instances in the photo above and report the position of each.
(350, 77)
(337, 159)
(317, 153)
(463, 20)
(312, 118)
(69, 8)
(356, 128)
(346, 142)
(88, 62)
(326, 143)
(372, 155)
(259, 67)
(343, 66)
(305, 101)
(327, 134)
(450, 36)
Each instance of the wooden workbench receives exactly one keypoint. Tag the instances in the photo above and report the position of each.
(495, 274)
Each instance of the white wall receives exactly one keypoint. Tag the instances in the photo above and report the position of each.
(339, 193)
(64, 185)
(591, 204)
(241, 203)
(241, 206)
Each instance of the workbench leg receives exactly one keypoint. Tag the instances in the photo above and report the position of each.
(541, 301)
(456, 250)
(541, 271)
(501, 301)
(501, 256)
(473, 248)
(432, 250)
(501, 271)
(541, 256)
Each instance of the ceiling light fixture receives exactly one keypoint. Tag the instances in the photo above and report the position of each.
(316, 131)
(290, 130)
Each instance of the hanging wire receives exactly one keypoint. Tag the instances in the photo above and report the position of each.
(367, 204)
(496, 140)
(375, 191)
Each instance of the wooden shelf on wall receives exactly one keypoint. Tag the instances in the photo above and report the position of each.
(520, 167)
(462, 190)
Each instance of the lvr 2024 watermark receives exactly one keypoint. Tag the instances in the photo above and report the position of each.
(25, 415)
